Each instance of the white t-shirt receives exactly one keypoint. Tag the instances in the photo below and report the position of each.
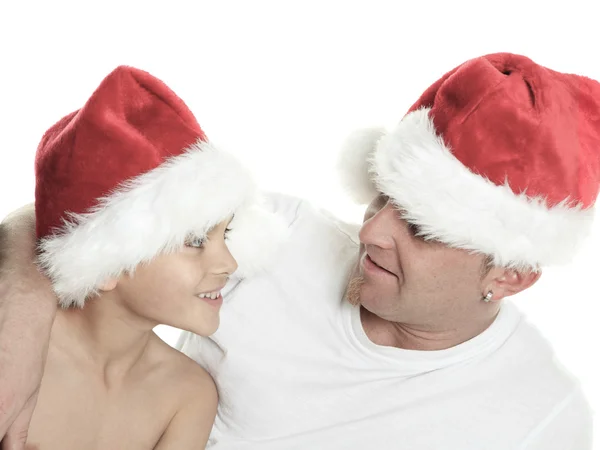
(295, 370)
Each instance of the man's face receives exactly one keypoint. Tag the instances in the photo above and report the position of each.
(402, 278)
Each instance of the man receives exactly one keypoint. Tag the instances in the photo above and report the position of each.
(491, 175)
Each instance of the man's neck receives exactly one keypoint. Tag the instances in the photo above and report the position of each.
(104, 336)
(424, 338)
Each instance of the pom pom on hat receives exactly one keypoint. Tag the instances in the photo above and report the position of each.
(355, 164)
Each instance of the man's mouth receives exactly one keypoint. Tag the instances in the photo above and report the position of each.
(371, 266)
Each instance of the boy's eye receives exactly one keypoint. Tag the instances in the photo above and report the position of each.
(195, 242)
(227, 231)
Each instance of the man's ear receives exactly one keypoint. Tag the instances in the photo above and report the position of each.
(506, 282)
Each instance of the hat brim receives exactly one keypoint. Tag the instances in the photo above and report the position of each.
(151, 214)
(451, 204)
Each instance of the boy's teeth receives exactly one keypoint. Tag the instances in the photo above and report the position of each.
(211, 295)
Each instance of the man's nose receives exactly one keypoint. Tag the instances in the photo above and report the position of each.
(377, 229)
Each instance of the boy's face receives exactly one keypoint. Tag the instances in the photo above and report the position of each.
(179, 289)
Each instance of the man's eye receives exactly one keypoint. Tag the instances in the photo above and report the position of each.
(226, 234)
(195, 242)
(384, 200)
(413, 229)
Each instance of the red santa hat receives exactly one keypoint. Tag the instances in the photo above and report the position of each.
(130, 175)
(501, 156)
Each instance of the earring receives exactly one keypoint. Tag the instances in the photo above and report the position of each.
(488, 297)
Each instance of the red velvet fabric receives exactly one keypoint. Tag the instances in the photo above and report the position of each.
(129, 126)
(507, 118)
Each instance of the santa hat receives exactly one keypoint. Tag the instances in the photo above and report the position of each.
(131, 175)
(501, 156)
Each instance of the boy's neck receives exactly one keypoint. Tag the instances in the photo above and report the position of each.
(104, 335)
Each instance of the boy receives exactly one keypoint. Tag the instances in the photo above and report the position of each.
(133, 207)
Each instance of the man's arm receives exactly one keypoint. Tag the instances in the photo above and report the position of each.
(27, 310)
(190, 427)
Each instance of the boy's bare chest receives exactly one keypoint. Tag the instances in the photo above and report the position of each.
(76, 413)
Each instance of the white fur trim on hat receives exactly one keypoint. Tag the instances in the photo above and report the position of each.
(453, 205)
(150, 214)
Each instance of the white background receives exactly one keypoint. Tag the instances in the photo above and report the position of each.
(282, 83)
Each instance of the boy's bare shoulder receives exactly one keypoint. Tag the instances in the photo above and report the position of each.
(192, 391)
(173, 366)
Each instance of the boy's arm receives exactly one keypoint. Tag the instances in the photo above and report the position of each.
(190, 427)
(27, 310)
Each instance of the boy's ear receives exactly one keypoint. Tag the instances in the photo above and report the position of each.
(108, 285)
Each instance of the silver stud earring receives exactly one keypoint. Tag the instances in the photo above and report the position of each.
(488, 297)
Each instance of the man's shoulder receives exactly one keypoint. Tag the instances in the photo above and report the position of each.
(284, 205)
(525, 371)
(528, 359)
(539, 363)
(568, 425)
(302, 213)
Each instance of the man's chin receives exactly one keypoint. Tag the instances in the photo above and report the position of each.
(353, 290)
